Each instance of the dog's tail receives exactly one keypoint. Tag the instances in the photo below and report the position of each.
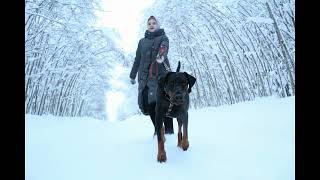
(178, 68)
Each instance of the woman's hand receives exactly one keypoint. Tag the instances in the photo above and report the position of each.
(160, 59)
(133, 81)
(160, 55)
(162, 49)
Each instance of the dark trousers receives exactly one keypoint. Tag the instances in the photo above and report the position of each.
(151, 110)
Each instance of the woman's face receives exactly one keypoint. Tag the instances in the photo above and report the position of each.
(152, 25)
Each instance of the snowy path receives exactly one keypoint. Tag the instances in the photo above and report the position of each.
(246, 141)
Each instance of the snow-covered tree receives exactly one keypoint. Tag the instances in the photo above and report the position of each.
(237, 50)
(66, 58)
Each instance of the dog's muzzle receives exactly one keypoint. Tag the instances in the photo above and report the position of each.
(178, 99)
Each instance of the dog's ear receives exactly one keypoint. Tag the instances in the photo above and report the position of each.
(178, 68)
(191, 81)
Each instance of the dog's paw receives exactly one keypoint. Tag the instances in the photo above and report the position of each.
(185, 145)
(162, 157)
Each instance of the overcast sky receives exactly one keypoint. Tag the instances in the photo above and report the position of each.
(124, 16)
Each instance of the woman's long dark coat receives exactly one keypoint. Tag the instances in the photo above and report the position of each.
(146, 53)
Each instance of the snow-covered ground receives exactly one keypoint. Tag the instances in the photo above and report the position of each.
(246, 141)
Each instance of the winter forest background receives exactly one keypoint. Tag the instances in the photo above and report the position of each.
(237, 49)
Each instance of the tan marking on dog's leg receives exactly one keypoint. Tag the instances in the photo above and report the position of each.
(162, 134)
(179, 135)
(185, 142)
(162, 157)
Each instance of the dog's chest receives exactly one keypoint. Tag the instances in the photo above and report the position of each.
(173, 111)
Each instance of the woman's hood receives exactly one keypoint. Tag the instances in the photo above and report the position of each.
(151, 35)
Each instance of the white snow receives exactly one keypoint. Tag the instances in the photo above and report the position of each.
(246, 141)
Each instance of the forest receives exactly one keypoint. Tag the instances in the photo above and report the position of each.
(237, 50)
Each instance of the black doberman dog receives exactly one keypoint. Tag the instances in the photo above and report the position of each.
(173, 101)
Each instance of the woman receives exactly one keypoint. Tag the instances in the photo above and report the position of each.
(154, 45)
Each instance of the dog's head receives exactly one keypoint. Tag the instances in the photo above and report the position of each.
(177, 85)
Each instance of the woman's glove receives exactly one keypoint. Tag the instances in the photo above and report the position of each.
(160, 57)
(162, 49)
(133, 81)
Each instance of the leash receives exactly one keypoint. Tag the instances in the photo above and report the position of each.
(150, 70)
(160, 59)
(170, 105)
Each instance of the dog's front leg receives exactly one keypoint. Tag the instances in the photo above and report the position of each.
(161, 157)
(179, 132)
(185, 142)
